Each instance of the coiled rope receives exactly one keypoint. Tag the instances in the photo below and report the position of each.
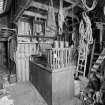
(85, 6)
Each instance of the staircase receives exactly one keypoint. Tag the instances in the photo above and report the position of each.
(99, 60)
(96, 59)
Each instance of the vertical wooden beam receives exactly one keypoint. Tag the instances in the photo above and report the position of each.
(61, 4)
(100, 27)
(101, 36)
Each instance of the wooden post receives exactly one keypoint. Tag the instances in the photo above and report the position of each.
(101, 36)
(100, 27)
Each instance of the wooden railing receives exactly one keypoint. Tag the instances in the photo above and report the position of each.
(59, 58)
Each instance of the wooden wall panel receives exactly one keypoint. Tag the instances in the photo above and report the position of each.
(22, 59)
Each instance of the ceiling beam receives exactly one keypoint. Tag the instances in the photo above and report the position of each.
(71, 1)
(45, 7)
(34, 14)
(41, 6)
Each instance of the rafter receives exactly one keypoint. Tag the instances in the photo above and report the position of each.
(34, 14)
(45, 7)
(72, 1)
(41, 6)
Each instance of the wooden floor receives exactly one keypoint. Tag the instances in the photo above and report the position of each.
(26, 94)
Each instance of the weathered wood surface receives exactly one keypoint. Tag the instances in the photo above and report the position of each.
(57, 88)
(59, 58)
(22, 60)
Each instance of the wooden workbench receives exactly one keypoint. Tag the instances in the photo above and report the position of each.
(57, 87)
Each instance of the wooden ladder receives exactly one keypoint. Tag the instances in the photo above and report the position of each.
(81, 65)
(96, 59)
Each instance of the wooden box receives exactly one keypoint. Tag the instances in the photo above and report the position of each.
(57, 88)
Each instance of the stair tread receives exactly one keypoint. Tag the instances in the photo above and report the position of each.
(99, 54)
(98, 58)
(96, 63)
(99, 61)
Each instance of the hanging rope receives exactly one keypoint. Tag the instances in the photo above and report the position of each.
(61, 18)
(51, 23)
(85, 34)
(85, 6)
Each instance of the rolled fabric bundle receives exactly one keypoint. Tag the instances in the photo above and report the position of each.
(85, 34)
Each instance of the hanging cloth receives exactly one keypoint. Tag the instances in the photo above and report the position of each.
(51, 24)
(60, 20)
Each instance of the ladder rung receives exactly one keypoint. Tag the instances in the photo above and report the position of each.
(81, 65)
(82, 62)
(80, 72)
(82, 56)
(82, 59)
